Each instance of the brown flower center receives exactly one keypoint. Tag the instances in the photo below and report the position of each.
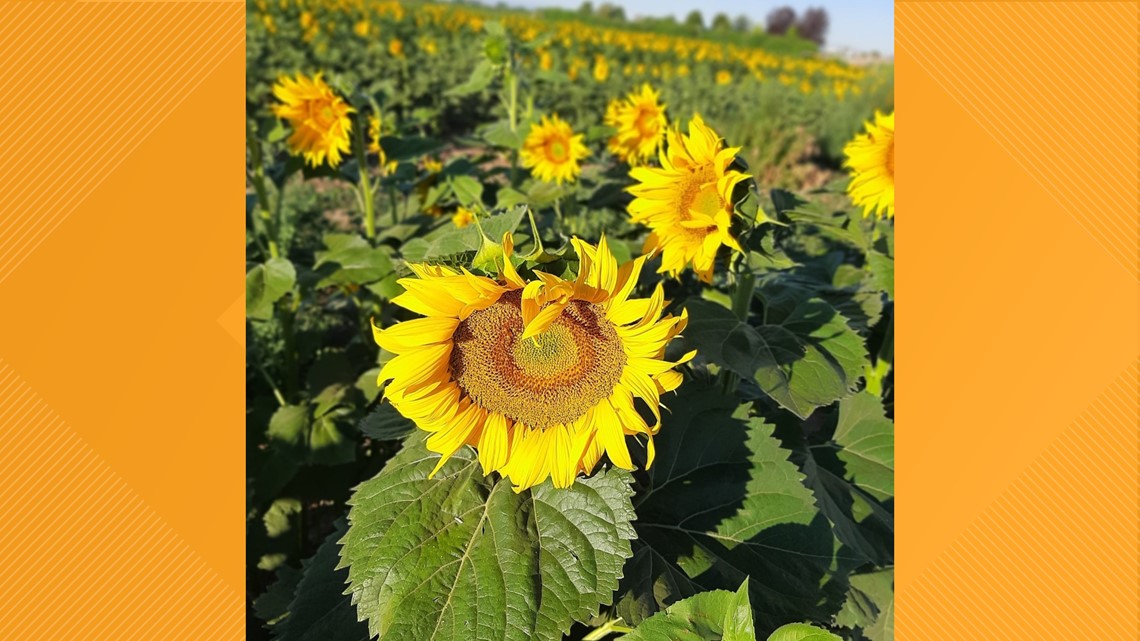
(551, 379)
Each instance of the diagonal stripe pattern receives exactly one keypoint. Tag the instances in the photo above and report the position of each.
(84, 84)
(1054, 557)
(1034, 76)
(89, 555)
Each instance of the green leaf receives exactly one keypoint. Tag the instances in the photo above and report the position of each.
(273, 604)
(724, 503)
(265, 285)
(883, 271)
(349, 260)
(802, 632)
(448, 242)
(289, 425)
(481, 77)
(851, 473)
(320, 610)
(460, 556)
(870, 605)
(867, 441)
(278, 518)
(408, 148)
(718, 615)
(500, 135)
(650, 581)
(467, 190)
(386, 424)
(806, 356)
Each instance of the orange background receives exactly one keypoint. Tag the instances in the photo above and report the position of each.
(121, 339)
(1017, 320)
(121, 344)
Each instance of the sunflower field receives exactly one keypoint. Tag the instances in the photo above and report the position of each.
(563, 330)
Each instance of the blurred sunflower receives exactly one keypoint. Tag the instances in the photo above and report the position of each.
(374, 132)
(640, 122)
(463, 217)
(396, 48)
(687, 202)
(871, 159)
(540, 377)
(319, 118)
(552, 151)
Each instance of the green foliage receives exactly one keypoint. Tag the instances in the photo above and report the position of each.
(265, 284)
(803, 354)
(717, 615)
(455, 557)
(760, 522)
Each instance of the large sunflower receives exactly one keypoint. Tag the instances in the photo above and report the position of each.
(319, 118)
(871, 159)
(540, 377)
(687, 202)
(640, 122)
(552, 151)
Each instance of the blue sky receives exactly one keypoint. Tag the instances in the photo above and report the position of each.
(862, 26)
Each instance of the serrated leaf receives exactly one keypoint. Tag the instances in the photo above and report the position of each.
(883, 271)
(860, 519)
(802, 632)
(717, 615)
(448, 241)
(460, 556)
(867, 441)
(650, 581)
(320, 610)
(386, 424)
(805, 357)
(348, 259)
(724, 504)
(265, 284)
(869, 605)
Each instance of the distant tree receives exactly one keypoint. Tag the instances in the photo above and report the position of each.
(813, 25)
(721, 22)
(780, 20)
(695, 19)
(742, 24)
(587, 8)
(611, 11)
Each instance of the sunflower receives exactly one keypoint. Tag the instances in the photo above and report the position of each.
(687, 202)
(319, 118)
(540, 377)
(640, 122)
(552, 151)
(871, 159)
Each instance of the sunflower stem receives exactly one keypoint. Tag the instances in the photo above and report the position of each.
(367, 200)
(258, 179)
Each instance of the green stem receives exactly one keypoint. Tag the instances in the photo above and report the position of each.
(258, 179)
(742, 295)
(613, 626)
(512, 101)
(367, 200)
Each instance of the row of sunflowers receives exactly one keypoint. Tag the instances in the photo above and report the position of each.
(773, 106)
(555, 369)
